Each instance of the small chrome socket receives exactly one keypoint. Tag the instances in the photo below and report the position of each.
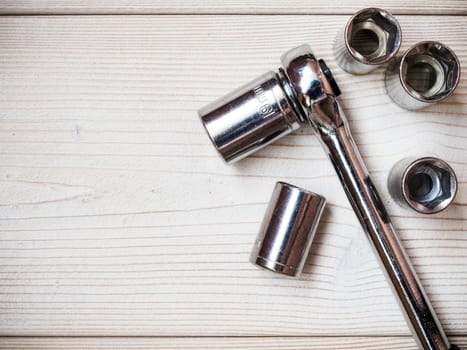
(426, 73)
(287, 230)
(370, 38)
(427, 185)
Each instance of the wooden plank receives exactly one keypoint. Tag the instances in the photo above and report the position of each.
(244, 343)
(124, 7)
(117, 217)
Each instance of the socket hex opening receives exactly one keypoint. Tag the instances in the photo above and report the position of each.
(429, 185)
(429, 71)
(372, 36)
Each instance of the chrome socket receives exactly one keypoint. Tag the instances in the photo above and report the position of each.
(288, 228)
(427, 185)
(427, 73)
(370, 38)
(251, 117)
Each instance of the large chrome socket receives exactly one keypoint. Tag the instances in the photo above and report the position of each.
(251, 117)
(371, 38)
(427, 73)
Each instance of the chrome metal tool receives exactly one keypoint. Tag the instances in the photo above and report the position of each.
(370, 38)
(288, 228)
(425, 74)
(427, 185)
(302, 92)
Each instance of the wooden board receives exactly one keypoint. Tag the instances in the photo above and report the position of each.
(125, 7)
(117, 217)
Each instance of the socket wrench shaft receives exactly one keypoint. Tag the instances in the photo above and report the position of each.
(337, 141)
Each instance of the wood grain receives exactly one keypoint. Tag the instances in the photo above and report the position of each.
(226, 343)
(417, 7)
(117, 217)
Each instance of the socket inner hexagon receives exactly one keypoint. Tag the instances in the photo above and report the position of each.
(373, 36)
(429, 185)
(430, 71)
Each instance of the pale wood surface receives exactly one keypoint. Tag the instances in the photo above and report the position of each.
(117, 217)
(228, 6)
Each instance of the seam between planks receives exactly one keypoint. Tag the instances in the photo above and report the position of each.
(265, 13)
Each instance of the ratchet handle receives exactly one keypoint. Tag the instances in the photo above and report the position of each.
(331, 126)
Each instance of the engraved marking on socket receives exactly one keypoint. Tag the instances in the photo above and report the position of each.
(265, 108)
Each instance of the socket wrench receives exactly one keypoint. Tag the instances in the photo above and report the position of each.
(304, 91)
